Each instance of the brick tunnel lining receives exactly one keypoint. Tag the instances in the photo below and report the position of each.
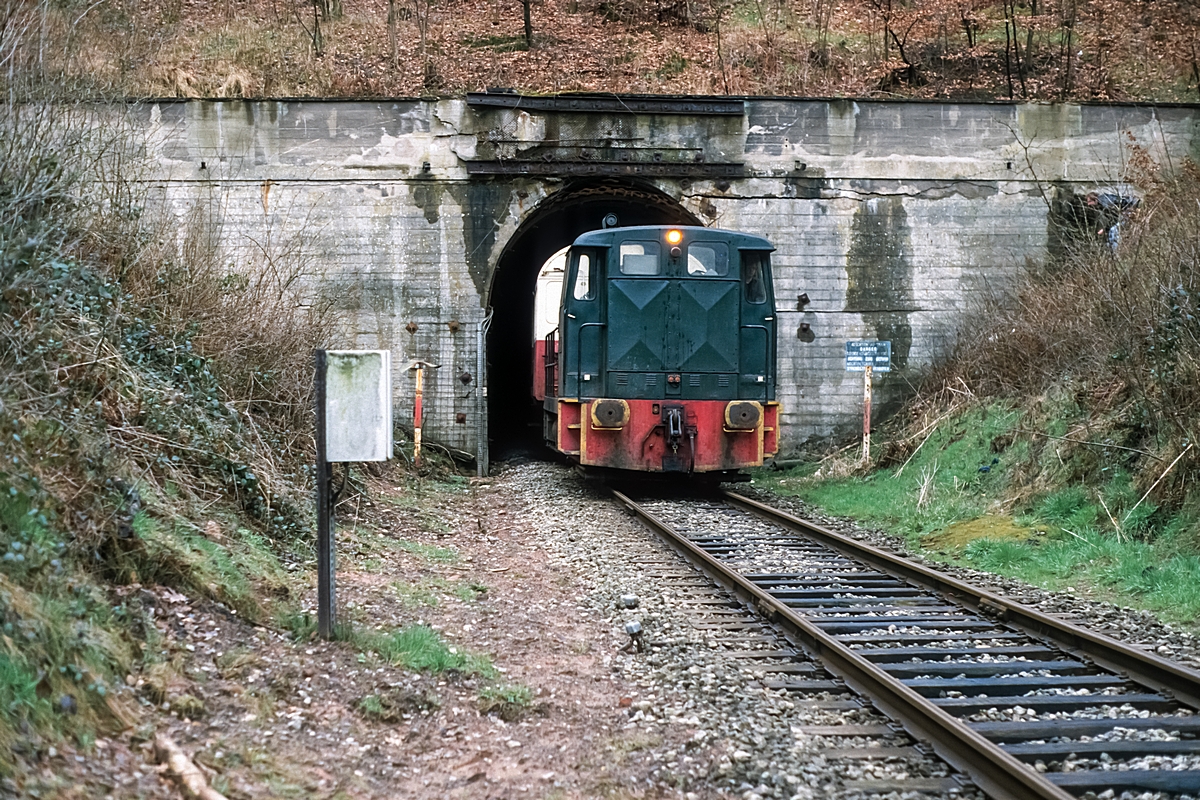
(514, 418)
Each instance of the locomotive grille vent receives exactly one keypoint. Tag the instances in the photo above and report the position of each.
(723, 381)
(693, 380)
(622, 379)
(651, 380)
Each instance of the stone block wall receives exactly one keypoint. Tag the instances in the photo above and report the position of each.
(893, 217)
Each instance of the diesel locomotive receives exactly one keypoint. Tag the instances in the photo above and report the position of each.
(663, 358)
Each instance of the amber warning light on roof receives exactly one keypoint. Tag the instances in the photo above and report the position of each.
(674, 236)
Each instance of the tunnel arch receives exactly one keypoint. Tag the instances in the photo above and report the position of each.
(514, 419)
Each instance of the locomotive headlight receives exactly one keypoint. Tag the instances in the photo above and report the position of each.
(674, 236)
(743, 415)
(610, 415)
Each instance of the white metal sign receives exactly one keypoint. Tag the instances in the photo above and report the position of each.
(358, 405)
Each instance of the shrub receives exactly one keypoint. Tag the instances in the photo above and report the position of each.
(1118, 332)
(143, 382)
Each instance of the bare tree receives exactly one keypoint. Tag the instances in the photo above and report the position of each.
(1068, 15)
(420, 15)
(393, 36)
(314, 33)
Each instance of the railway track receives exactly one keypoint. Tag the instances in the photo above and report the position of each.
(1025, 704)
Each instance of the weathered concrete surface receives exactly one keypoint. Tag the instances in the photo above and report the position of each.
(891, 216)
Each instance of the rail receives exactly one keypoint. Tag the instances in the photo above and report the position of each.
(1142, 667)
(996, 772)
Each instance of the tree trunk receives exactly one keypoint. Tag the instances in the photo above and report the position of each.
(528, 23)
(1008, 37)
(1067, 21)
(393, 37)
(1033, 12)
(1011, 12)
(720, 55)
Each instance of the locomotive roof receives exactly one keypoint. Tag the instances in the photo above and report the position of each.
(740, 240)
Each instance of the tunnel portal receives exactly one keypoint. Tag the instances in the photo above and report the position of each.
(514, 418)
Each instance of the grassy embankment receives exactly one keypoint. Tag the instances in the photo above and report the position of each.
(154, 426)
(1057, 445)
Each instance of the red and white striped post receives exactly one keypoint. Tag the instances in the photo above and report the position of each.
(417, 414)
(866, 442)
(419, 368)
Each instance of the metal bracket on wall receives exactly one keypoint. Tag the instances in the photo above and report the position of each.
(610, 104)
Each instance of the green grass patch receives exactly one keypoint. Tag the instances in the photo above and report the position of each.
(954, 476)
(508, 701)
(429, 591)
(468, 592)
(175, 554)
(415, 595)
(419, 647)
(441, 555)
(302, 625)
(395, 705)
(1128, 571)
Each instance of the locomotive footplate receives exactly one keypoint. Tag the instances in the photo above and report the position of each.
(687, 437)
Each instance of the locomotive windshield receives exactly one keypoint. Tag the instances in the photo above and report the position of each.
(639, 258)
(709, 258)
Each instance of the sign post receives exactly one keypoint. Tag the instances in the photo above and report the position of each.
(866, 446)
(353, 393)
(418, 413)
(866, 357)
(326, 607)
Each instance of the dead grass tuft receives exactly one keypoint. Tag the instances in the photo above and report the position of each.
(236, 84)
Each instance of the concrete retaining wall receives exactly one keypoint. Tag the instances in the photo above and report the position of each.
(891, 216)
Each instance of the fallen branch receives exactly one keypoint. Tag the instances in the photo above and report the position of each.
(1092, 444)
(1160, 477)
(933, 430)
(190, 778)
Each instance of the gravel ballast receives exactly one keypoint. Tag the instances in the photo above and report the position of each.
(694, 687)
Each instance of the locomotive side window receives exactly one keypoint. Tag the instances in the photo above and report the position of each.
(639, 258)
(753, 281)
(710, 258)
(583, 277)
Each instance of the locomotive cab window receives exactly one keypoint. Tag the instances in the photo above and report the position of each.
(583, 276)
(754, 281)
(708, 259)
(640, 258)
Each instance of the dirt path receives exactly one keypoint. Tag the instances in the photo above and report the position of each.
(265, 715)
